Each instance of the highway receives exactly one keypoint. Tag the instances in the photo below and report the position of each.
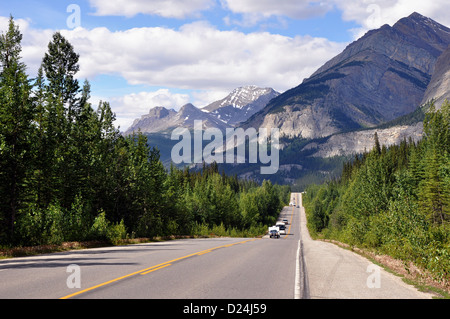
(291, 267)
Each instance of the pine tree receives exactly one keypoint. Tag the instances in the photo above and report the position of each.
(16, 127)
(61, 65)
(433, 194)
(434, 188)
(377, 147)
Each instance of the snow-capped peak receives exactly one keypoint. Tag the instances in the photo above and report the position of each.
(243, 96)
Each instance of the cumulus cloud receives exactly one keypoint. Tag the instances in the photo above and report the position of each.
(373, 14)
(296, 9)
(132, 106)
(200, 57)
(165, 8)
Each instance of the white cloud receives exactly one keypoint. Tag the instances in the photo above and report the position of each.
(373, 14)
(203, 98)
(297, 9)
(133, 106)
(200, 57)
(165, 8)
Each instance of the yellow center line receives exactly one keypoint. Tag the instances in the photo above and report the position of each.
(290, 223)
(204, 252)
(153, 268)
(147, 272)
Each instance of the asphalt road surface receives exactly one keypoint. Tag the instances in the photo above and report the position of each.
(291, 267)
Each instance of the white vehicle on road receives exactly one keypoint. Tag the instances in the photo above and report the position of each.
(282, 227)
(274, 232)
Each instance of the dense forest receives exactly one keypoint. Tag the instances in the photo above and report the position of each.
(394, 200)
(67, 174)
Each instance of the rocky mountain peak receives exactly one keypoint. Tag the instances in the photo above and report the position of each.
(158, 112)
(188, 108)
(380, 77)
(240, 97)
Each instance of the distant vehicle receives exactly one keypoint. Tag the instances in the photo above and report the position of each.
(282, 228)
(274, 233)
(291, 204)
(285, 221)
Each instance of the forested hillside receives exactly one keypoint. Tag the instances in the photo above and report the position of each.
(395, 200)
(67, 174)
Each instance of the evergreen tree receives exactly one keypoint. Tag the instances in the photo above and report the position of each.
(16, 127)
(377, 147)
(61, 65)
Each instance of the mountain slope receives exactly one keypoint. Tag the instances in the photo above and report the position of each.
(439, 87)
(377, 78)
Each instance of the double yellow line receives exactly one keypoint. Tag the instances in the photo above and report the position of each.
(154, 268)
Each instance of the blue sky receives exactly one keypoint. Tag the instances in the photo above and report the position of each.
(138, 54)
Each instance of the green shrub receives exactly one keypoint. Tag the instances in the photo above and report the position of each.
(116, 232)
(99, 228)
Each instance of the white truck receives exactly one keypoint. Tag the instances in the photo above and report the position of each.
(274, 232)
(282, 227)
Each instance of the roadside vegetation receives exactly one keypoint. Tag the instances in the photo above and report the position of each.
(393, 200)
(68, 175)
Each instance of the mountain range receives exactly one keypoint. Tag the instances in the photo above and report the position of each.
(233, 109)
(379, 83)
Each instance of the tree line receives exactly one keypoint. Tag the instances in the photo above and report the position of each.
(68, 174)
(393, 199)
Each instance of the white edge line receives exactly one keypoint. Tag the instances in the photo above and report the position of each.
(297, 274)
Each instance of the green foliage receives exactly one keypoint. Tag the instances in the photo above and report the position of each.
(395, 200)
(17, 112)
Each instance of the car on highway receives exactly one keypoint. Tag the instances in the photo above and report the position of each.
(282, 228)
(274, 233)
(285, 221)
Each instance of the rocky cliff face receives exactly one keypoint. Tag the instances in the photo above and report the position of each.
(377, 78)
(360, 141)
(439, 87)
